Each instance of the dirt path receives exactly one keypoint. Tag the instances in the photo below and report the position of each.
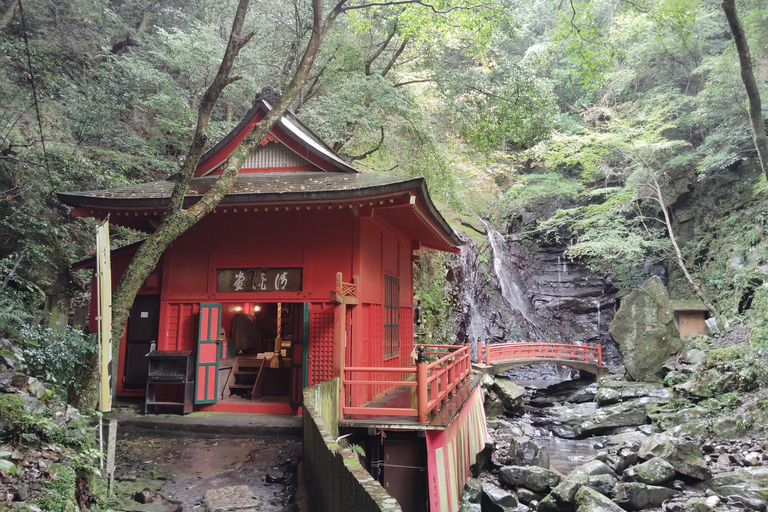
(183, 466)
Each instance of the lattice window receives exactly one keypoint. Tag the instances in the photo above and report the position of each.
(320, 344)
(391, 316)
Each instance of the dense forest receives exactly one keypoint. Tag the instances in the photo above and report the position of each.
(618, 127)
(613, 111)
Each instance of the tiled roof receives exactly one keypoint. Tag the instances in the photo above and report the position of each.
(248, 187)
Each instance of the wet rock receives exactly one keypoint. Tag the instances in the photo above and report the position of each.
(565, 420)
(615, 391)
(473, 490)
(637, 496)
(586, 394)
(696, 504)
(589, 500)
(465, 506)
(531, 477)
(603, 484)
(528, 497)
(494, 407)
(625, 414)
(483, 458)
(644, 330)
(528, 453)
(746, 485)
(227, 499)
(496, 499)
(653, 472)
(274, 477)
(562, 497)
(684, 455)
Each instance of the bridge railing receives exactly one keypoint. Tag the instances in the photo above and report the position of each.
(497, 352)
(435, 382)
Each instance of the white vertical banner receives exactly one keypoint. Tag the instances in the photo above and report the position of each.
(104, 282)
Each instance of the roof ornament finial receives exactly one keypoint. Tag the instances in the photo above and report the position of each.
(268, 94)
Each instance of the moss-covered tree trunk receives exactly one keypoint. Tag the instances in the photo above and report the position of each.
(750, 84)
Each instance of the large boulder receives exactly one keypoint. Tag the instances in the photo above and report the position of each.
(511, 394)
(644, 330)
(684, 455)
(653, 472)
(615, 391)
(637, 496)
(589, 500)
(533, 478)
(746, 485)
(528, 453)
(575, 421)
(562, 497)
(496, 499)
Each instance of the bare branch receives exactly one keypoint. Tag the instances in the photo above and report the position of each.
(372, 150)
(381, 48)
(394, 58)
(409, 82)
(245, 40)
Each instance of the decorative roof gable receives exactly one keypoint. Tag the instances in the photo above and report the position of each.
(300, 149)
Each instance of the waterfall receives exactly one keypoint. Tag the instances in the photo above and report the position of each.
(511, 289)
(597, 305)
(559, 276)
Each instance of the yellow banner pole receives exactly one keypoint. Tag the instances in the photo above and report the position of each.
(104, 282)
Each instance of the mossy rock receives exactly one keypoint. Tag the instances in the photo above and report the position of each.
(644, 330)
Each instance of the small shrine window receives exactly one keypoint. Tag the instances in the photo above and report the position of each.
(391, 316)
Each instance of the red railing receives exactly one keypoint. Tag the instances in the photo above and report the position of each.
(497, 352)
(435, 382)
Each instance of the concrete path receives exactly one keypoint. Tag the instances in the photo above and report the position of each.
(212, 422)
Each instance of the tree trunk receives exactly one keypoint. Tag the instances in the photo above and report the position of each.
(750, 84)
(178, 220)
(678, 254)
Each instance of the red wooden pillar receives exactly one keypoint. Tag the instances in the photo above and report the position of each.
(421, 385)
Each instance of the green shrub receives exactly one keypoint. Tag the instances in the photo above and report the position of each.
(64, 358)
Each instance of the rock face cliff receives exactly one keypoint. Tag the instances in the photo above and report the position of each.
(504, 290)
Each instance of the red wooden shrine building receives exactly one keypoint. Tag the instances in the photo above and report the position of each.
(303, 273)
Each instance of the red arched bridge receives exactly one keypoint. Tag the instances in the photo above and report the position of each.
(499, 357)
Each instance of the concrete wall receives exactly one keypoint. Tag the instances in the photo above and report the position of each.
(333, 476)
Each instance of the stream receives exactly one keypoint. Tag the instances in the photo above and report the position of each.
(564, 454)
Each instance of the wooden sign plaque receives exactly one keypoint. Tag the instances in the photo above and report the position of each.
(258, 280)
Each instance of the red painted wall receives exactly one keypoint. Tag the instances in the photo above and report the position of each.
(320, 241)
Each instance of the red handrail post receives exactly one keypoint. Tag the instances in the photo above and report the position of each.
(599, 355)
(487, 355)
(421, 385)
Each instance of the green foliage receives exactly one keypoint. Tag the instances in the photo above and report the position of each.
(59, 491)
(64, 358)
(434, 303)
(530, 191)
